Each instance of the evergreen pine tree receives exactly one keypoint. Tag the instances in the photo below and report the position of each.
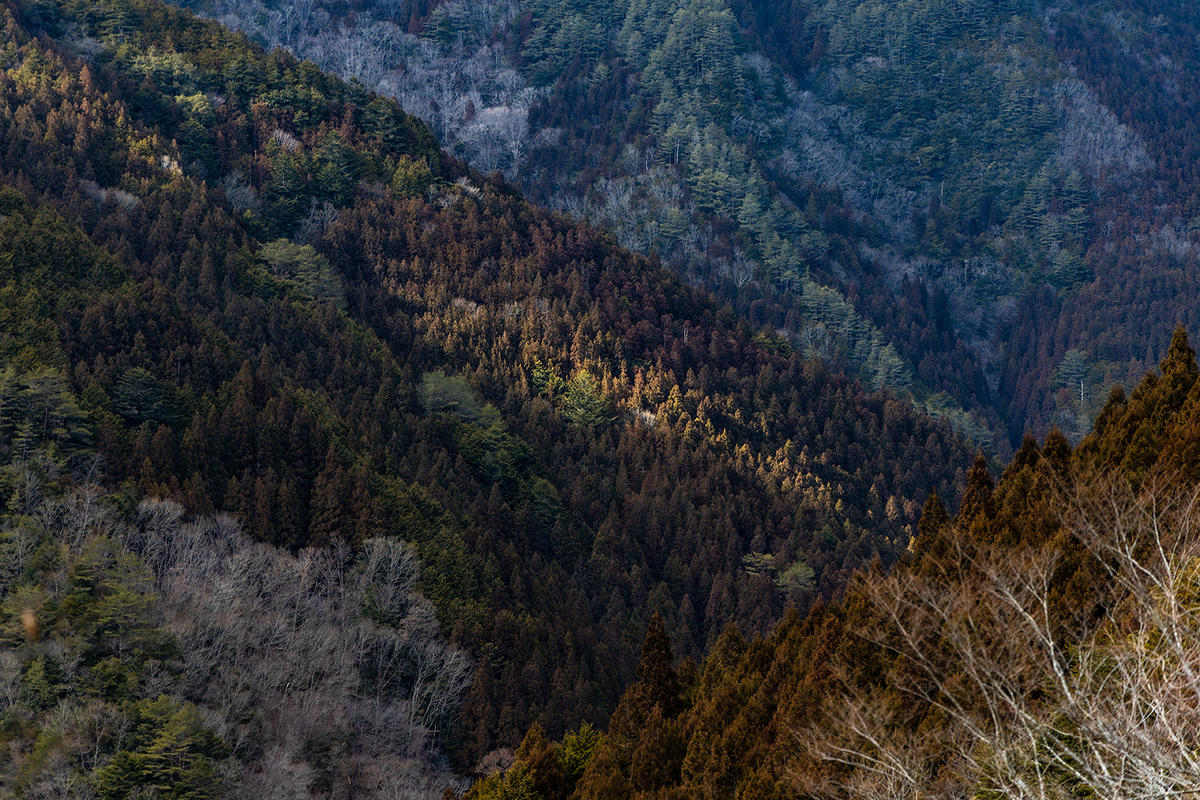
(284, 196)
(335, 175)
(541, 757)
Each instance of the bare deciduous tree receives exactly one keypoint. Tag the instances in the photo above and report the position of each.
(278, 651)
(1024, 712)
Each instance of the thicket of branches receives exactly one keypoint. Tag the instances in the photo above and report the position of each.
(1027, 708)
(153, 650)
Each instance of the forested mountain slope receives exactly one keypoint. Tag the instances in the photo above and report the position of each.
(961, 200)
(1040, 644)
(235, 285)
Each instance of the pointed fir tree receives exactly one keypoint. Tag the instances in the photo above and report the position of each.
(660, 682)
(284, 196)
(541, 758)
(336, 170)
(978, 505)
(933, 523)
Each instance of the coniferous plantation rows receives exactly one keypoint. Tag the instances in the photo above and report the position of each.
(234, 285)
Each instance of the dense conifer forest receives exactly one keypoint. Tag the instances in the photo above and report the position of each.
(238, 286)
(985, 206)
(562, 399)
(1040, 643)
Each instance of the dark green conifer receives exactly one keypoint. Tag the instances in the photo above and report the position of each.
(336, 172)
(284, 196)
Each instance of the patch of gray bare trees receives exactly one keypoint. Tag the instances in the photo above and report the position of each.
(324, 671)
(462, 86)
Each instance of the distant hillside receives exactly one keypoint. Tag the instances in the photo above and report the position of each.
(987, 206)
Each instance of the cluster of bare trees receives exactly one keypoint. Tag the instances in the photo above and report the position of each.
(324, 672)
(461, 85)
(1092, 139)
(318, 647)
(1026, 711)
(472, 98)
(366, 50)
(827, 142)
